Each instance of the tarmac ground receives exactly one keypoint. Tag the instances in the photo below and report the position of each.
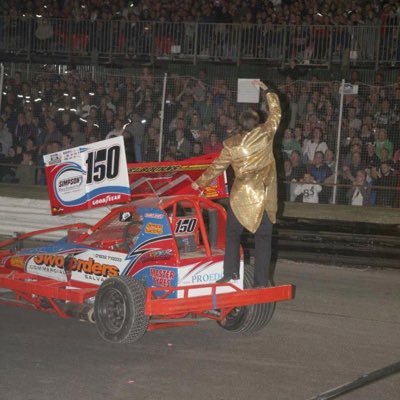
(343, 323)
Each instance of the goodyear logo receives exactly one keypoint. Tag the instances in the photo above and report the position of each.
(153, 229)
(90, 266)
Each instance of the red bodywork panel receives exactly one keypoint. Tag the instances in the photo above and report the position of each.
(33, 289)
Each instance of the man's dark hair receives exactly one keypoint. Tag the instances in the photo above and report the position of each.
(246, 115)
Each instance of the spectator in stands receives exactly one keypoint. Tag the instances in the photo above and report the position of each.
(354, 122)
(360, 192)
(385, 197)
(396, 161)
(321, 172)
(21, 130)
(183, 146)
(370, 157)
(385, 157)
(8, 172)
(25, 173)
(366, 134)
(197, 149)
(298, 169)
(66, 142)
(64, 125)
(5, 138)
(106, 124)
(384, 117)
(289, 143)
(51, 133)
(77, 136)
(135, 130)
(311, 147)
(118, 130)
(356, 163)
(329, 159)
(383, 142)
(213, 145)
(307, 191)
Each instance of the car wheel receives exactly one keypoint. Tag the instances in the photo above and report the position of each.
(248, 319)
(119, 310)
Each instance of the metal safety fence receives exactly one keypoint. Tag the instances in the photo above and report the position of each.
(105, 40)
(338, 143)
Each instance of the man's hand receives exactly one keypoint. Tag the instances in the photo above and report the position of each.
(195, 186)
(260, 84)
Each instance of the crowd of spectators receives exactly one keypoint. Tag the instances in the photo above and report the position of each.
(316, 30)
(369, 163)
(60, 111)
(212, 11)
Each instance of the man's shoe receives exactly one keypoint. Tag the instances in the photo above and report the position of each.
(227, 278)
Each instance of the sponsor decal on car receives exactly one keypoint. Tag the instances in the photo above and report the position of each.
(154, 215)
(17, 261)
(153, 229)
(90, 266)
(206, 278)
(70, 183)
(162, 277)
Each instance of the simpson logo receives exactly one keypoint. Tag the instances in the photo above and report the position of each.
(162, 277)
(90, 266)
(153, 229)
(70, 183)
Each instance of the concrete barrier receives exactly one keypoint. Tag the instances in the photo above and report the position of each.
(25, 215)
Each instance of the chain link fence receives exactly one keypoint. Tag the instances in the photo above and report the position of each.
(335, 145)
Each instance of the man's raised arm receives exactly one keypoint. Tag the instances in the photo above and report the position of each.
(274, 107)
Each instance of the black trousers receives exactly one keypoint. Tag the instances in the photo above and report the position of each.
(263, 239)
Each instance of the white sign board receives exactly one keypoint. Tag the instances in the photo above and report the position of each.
(247, 92)
(89, 176)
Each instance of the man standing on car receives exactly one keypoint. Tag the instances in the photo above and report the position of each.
(253, 199)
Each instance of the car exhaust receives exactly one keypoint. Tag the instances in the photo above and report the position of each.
(83, 312)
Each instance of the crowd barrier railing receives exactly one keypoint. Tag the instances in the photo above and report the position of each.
(108, 39)
(289, 191)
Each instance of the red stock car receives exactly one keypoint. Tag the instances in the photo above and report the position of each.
(147, 265)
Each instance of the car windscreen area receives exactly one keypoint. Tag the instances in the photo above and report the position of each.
(118, 233)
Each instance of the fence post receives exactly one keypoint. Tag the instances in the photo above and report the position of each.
(153, 42)
(29, 37)
(341, 90)
(284, 47)
(162, 117)
(330, 49)
(377, 45)
(111, 33)
(239, 44)
(196, 38)
(1, 83)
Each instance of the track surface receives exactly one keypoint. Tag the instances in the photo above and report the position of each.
(343, 323)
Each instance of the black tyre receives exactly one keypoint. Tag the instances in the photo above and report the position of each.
(119, 310)
(249, 319)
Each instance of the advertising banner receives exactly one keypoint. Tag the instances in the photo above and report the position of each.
(174, 178)
(94, 175)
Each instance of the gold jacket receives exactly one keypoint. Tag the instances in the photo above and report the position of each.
(254, 189)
